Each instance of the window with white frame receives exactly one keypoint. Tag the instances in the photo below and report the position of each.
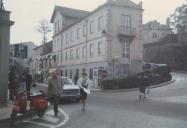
(126, 49)
(100, 47)
(67, 38)
(62, 57)
(71, 54)
(83, 52)
(84, 30)
(78, 53)
(71, 36)
(100, 23)
(55, 27)
(78, 33)
(126, 23)
(62, 41)
(66, 55)
(58, 25)
(91, 50)
(92, 27)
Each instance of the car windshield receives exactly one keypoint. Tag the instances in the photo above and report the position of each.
(67, 81)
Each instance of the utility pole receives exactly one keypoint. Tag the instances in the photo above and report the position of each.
(5, 24)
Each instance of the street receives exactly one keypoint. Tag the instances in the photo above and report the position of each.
(165, 107)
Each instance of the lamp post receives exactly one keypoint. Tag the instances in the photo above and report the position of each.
(109, 38)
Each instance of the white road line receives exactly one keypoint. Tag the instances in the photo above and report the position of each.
(37, 123)
(66, 119)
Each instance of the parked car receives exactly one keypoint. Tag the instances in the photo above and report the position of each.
(70, 90)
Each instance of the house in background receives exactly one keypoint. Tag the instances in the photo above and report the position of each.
(153, 31)
(21, 54)
(42, 61)
(106, 39)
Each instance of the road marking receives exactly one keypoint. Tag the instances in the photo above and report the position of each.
(66, 119)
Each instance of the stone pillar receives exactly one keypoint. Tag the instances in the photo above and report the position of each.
(5, 24)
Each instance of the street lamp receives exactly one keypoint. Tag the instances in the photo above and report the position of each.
(109, 38)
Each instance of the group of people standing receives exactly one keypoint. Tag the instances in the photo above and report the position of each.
(18, 82)
(55, 88)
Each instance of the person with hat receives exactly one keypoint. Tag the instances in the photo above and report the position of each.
(55, 88)
(83, 83)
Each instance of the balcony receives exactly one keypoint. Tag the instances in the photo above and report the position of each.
(126, 32)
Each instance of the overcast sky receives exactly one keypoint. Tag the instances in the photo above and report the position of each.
(27, 13)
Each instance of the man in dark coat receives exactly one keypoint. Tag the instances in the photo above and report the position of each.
(143, 84)
(13, 83)
(29, 81)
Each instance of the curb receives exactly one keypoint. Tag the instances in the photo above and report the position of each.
(134, 89)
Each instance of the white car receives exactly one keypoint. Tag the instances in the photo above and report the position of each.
(70, 90)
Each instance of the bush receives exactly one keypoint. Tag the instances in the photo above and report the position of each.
(156, 76)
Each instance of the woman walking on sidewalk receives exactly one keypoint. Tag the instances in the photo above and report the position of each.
(83, 83)
(55, 88)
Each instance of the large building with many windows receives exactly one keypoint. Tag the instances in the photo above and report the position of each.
(153, 31)
(106, 39)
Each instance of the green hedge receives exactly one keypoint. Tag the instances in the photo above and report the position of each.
(156, 76)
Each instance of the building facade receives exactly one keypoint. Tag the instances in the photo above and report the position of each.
(153, 31)
(42, 61)
(21, 54)
(107, 39)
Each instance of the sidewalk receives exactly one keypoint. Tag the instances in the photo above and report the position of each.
(5, 111)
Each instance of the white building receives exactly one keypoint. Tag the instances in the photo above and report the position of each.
(153, 31)
(42, 61)
(108, 38)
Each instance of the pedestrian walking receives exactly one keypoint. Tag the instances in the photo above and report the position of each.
(83, 83)
(55, 88)
(143, 84)
(29, 81)
(13, 83)
(76, 77)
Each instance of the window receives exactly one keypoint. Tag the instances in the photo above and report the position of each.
(84, 52)
(71, 54)
(55, 27)
(155, 36)
(126, 49)
(78, 53)
(84, 30)
(71, 74)
(100, 47)
(62, 57)
(100, 23)
(58, 25)
(91, 49)
(71, 37)
(66, 73)
(78, 33)
(92, 27)
(91, 73)
(66, 55)
(67, 38)
(62, 41)
(126, 23)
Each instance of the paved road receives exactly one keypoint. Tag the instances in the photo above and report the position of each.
(165, 107)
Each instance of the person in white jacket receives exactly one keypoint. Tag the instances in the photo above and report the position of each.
(83, 83)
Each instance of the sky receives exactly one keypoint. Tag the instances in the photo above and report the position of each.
(27, 13)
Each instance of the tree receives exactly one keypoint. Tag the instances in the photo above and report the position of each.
(176, 19)
(44, 28)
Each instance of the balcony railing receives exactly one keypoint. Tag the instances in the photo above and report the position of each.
(126, 31)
